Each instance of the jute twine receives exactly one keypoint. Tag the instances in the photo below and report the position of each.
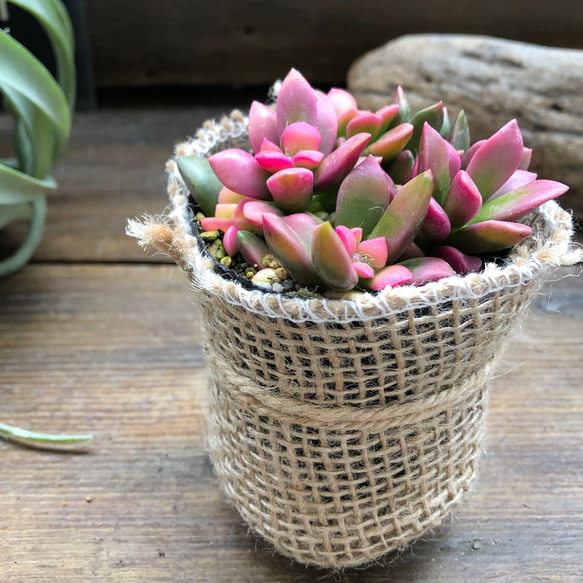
(342, 430)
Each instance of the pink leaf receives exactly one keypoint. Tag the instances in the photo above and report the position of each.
(327, 125)
(262, 125)
(389, 277)
(459, 262)
(374, 251)
(239, 171)
(497, 159)
(292, 189)
(296, 102)
(463, 201)
(307, 159)
(273, 161)
(300, 136)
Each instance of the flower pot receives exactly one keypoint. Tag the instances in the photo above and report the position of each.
(339, 429)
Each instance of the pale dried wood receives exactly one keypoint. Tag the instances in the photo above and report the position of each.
(116, 350)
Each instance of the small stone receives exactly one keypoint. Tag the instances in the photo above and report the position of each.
(281, 274)
(270, 261)
(277, 287)
(288, 285)
(476, 545)
(250, 272)
(209, 235)
(226, 261)
(88, 499)
(200, 216)
(264, 285)
(217, 249)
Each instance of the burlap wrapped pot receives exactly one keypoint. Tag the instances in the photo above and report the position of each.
(343, 429)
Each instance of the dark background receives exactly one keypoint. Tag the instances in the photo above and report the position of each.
(142, 44)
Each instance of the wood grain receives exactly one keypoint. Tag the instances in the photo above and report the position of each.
(116, 350)
(233, 43)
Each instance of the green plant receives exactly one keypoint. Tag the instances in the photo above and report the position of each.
(350, 201)
(41, 106)
(42, 109)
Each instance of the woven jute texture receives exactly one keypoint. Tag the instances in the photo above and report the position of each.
(344, 429)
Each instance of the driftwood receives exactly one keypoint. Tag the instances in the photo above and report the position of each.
(494, 80)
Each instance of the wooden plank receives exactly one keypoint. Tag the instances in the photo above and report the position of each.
(140, 43)
(116, 350)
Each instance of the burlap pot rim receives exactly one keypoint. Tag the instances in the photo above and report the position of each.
(548, 247)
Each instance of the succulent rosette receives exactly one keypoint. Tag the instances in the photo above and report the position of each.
(342, 200)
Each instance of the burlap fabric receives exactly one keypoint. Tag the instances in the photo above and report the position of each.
(344, 429)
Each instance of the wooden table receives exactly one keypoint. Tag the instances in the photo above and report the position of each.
(97, 337)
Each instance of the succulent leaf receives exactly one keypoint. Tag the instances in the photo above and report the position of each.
(290, 251)
(459, 262)
(402, 220)
(240, 171)
(389, 277)
(273, 161)
(225, 210)
(201, 181)
(367, 122)
(262, 126)
(342, 100)
(268, 146)
(446, 125)
(518, 203)
(254, 211)
(303, 225)
(348, 239)
(470, 153)
(331, 260)
(432, 115)
(300, 136)
(230, 240)
(327, 125)
(412, 252)
(292, 189)
(344, 119)
(388, 114)
(427, 269)
(296, 101)
(363, 197)
(463, 201)
(215, 224)
(373, 251)
(227, 196)
(454, 160)
(392, 143)
(525, 160)
(307, 159)
(460, 133)
(404, 113)
(519, 179)
(334, 167)
(496, 160)
(488, 236)
(433, 155)
(252, 248)
(436, 225)
(401, 167)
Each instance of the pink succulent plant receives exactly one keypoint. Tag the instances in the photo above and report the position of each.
(347, 199)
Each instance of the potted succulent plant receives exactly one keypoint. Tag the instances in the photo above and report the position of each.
(358, 275)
